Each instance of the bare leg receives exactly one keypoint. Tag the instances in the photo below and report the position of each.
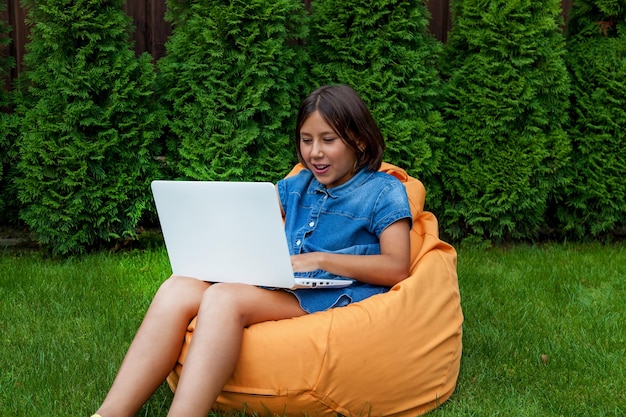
(225, 311)
(156, 346)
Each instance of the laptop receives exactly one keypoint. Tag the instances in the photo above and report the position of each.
(219, 231)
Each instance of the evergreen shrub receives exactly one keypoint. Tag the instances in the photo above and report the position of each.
(384, 51)
(7, 121)
(232, 81)
(505, 108)
(88, 126)
(595, 203)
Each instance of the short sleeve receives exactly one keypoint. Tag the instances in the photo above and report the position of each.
(392, 205)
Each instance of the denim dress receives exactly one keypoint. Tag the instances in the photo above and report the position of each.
(347, 219)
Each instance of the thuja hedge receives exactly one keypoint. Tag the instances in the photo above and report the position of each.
(232, 80)
(89, 127)
(593, 204)
(489, 128)
(7, 124)
(505, 110)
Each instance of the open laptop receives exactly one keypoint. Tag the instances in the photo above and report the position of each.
(228, 232)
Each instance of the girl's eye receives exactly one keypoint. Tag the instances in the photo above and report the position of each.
(329, 139)
(306, 140)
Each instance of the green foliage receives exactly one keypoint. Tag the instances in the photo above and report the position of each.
(500, 150)
(7, 118)
(505, 108)
(88, 126)
(383, 50)
(6, 62)
(232, 80)
(596, 198)
(592, 19)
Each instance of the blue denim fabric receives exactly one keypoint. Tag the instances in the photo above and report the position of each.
(348, 219)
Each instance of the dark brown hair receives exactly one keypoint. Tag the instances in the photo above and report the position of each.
(346, 112)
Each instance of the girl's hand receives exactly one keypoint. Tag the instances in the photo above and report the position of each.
(306, 262)
(388, 268)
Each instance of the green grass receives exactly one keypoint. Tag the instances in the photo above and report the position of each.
(65, 325)
(544, 332)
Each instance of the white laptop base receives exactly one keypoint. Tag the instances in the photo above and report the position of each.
(228, 232)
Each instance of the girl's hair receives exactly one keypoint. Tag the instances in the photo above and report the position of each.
(346, 112)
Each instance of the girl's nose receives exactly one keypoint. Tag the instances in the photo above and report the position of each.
(316, 149)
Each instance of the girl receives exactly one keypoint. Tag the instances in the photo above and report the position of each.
(342, 218)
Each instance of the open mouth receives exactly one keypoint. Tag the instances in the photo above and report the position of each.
(321, 168)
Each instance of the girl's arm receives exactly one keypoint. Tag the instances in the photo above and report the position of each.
(388, 268)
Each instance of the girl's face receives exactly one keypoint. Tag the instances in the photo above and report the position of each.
(327, 156)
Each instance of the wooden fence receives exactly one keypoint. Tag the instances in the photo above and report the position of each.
(151, 30)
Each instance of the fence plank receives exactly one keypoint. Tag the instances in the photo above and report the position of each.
(19, 35)
(137, 11)
(440, 17)
(159, 29)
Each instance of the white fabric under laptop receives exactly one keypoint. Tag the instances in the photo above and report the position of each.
(228, 232)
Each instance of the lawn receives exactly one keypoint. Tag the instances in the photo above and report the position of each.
(544, 331)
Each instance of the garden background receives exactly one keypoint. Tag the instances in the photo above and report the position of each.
(515, 123)
(512, 115)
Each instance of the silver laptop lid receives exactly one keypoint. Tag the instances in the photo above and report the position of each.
(224, 231)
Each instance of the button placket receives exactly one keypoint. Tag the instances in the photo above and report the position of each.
(312, 222)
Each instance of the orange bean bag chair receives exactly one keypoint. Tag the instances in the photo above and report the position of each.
(393, 354)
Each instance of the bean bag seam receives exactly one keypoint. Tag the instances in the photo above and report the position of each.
(458, 334)
(314, 390)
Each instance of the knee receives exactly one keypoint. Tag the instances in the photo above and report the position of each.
(171, 288)
(220, 293)
(222, 298)
(180, 291)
